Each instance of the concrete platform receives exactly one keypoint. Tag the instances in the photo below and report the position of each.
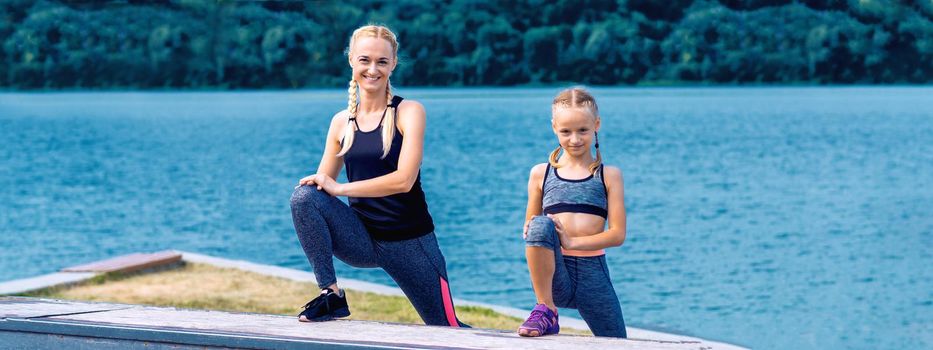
(45, 323)
(40, 323)
(305, 276)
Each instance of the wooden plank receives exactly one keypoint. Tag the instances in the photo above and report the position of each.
(129, 263)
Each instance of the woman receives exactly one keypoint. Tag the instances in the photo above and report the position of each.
(380, 139)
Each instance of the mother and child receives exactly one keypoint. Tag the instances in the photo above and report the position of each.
(380, 140)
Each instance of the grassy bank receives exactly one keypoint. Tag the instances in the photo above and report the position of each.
(199, 286)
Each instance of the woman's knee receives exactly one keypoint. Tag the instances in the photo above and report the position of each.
(307, 195)
(540, 230)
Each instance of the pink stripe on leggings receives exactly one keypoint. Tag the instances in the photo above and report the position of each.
(448, 304)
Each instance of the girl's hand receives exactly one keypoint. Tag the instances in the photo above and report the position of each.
(525, 230)
(565, 240)
(322, 181)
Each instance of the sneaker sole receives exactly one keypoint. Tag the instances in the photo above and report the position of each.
(534, 332)
(525, 332)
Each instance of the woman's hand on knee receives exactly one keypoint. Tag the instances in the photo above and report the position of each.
(307, 181)
(322, 182)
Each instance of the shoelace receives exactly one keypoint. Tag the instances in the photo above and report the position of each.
(308, 304)
(316, 300)
(537, 315)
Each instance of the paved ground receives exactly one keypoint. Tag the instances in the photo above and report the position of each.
(28, 321)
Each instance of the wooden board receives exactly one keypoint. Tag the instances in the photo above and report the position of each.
(129, 263)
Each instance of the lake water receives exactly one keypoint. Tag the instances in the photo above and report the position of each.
(770, 217)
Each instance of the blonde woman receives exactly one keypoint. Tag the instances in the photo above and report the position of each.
(565, 247)
(380, 139)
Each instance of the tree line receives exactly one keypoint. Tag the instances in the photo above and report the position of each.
(275, 44)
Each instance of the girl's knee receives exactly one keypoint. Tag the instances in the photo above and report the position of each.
(542, 219)
(541, 225)
(540, 229)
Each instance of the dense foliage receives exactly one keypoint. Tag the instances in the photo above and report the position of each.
(221, 44)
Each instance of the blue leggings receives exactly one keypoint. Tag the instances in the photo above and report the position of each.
(580, 283)
(327, 228)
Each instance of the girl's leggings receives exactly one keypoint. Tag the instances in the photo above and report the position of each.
(327, 228)
(580, 283)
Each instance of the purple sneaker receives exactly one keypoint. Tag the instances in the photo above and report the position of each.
(542, 321)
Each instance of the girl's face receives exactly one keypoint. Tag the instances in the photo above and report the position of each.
(372, 61)
(575, 128)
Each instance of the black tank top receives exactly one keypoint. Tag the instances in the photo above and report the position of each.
(391, 218)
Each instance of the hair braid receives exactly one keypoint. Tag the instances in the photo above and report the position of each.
(388, 124)
(349, 131)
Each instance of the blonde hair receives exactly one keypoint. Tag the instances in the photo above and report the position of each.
(388, 124)
(576, 97)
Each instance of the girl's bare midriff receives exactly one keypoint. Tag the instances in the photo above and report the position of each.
(580, 225)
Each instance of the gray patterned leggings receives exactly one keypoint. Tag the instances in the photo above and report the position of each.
(327, 227)
(580, 283)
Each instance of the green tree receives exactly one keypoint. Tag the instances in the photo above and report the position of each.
(226, 44)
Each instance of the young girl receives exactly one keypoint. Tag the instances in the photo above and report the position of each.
(379, 137)
(579, 195)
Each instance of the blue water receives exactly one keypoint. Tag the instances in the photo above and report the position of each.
(769, 217)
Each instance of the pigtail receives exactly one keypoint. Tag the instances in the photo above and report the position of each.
(554, 156)
(599, 157)
(349, 131)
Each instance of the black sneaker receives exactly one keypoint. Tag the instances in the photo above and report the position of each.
(325, 307)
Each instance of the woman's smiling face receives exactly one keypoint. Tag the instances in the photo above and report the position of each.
(372, 60)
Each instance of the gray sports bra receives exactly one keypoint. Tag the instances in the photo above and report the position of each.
(587, 195)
